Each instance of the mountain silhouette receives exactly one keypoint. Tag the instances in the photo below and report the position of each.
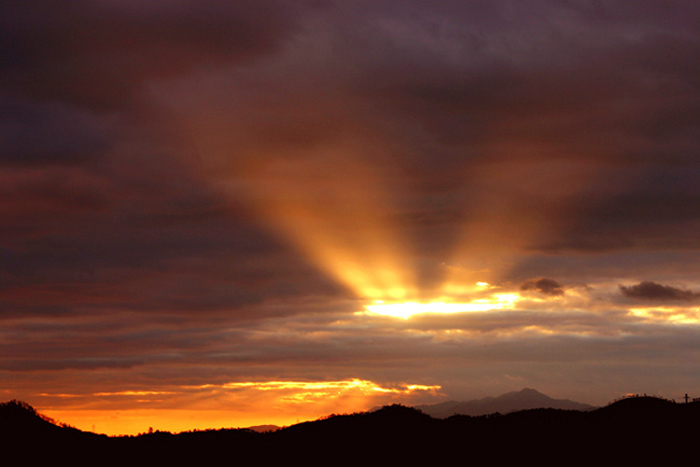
(18, 419)
(628, 431)
(506, 403)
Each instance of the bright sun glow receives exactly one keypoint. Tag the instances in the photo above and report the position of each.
(408, 309)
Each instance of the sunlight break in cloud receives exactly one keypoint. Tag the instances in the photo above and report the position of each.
(306, 391)
(666, 314)
(405, 310)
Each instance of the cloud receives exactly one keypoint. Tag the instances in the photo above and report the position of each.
(35, 133)
(101, 53)
(544, 286)
(648, 290)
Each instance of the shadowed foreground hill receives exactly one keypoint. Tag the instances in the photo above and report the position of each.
(627, 431)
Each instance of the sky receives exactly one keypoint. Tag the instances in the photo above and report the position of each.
(232, 213)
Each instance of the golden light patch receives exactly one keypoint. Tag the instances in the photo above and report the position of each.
(108, 394)
(664, 314)
(405, 310)
(134, 393)
(326, 388)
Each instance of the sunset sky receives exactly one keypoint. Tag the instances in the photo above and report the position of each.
(231, 213)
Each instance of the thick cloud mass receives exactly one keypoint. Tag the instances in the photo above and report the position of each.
(99, 53)
(544, 285)
(649, 290)
(196, 192)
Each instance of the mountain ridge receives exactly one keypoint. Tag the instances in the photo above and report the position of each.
(513, 401)
(627, 429)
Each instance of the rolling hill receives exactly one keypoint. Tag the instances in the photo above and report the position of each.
(630, 431)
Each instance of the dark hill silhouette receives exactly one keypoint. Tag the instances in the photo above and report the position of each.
(627, 431)
(42, 439)
(18, 419)
(651, 417)
(641, 404)
(510, 402)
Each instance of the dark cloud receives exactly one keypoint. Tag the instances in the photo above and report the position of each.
(33, 133)
(648, 290)
(544, 286)
(136, 230)
(584, 117)
(643, 207)
(99, 53)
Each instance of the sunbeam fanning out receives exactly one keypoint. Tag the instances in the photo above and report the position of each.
(336, 214)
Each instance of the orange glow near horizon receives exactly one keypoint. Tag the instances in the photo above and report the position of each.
(227, 405)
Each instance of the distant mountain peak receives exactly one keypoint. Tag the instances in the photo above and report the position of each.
(525, 392)
(529, 391)
(524, 399)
